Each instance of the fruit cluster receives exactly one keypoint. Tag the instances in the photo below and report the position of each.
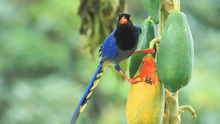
(172, 69)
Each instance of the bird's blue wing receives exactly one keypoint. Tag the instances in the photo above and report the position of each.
(139, 28)
(109, 48)
(108, 51)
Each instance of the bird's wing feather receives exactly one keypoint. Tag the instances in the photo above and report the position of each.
(87, 94)
(137, 26)
(109, 48)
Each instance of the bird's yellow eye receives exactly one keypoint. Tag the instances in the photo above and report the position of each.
(130, 18)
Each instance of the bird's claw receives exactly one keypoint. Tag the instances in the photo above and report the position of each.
(133, 81)
(146, 51)
(149, 50)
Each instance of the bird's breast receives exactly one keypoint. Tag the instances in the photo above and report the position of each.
(123, 54)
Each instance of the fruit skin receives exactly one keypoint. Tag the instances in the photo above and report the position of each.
(148, 34)
(145, 102)
(152, 7)
(176, 53)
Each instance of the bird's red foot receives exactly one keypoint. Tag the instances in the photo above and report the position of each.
(146, 51)
(132, 81)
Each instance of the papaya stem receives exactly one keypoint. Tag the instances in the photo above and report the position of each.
(176, 6)
(152, 42)
(171, 110)
(149, 18)
(163, 15)
(189, 108)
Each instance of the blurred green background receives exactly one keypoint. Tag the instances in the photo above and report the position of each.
(44, 69)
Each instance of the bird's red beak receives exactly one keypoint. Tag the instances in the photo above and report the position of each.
(123, 20)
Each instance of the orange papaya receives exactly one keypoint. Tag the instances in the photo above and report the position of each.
(145, 102)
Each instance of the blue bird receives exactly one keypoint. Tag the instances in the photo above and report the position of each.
(118, 46)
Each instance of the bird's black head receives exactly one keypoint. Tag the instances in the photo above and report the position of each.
(126, 34)
(124, 19)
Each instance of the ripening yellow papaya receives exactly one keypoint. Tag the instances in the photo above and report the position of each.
(145, 102)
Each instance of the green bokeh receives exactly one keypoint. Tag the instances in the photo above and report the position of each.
(44, 68)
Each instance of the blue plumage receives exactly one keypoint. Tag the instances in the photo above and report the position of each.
(118, 46)
(85, 97)
(108, 48)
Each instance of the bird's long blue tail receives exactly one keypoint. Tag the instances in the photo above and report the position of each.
(89, 90)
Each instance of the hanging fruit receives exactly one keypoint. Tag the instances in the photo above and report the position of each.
(152, 7)
(145, 102)
(148, 34)
(176, 53)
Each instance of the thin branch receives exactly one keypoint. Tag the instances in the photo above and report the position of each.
(189, 108)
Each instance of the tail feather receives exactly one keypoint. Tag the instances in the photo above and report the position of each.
(87, 94)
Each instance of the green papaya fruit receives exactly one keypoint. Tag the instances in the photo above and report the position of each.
(148, 34)
(176, 53)
(152, 7)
